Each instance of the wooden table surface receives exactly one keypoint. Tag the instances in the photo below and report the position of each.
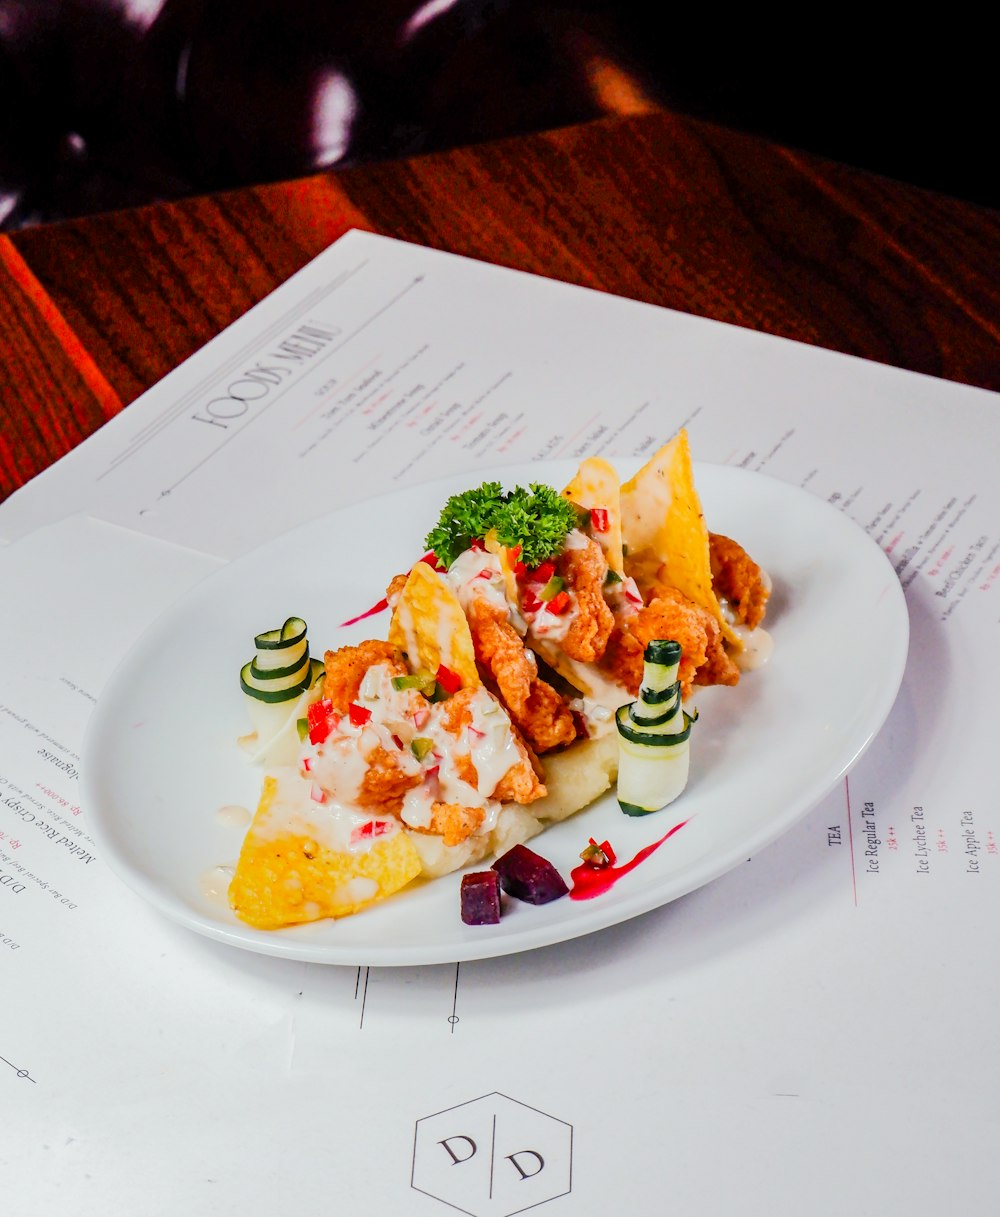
(657, 207)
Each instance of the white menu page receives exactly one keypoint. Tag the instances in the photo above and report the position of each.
(813, 1032)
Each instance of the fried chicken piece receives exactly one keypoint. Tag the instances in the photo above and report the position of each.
(534, 706)
(736, 577)
(346, 668)
(670, 614)
(585, 570)
(453, 822)
(521, 783)
(385, 782)
(395, 588)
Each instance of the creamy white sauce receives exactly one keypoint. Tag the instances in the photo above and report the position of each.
(758, 646)
(575, 539)
(551, 626)
(617, 598)
(234, 816)
(333, 824)
(215, 884)
(598, 717)
(466, 576)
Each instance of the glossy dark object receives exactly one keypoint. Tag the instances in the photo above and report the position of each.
(480, 898)
(528, 876)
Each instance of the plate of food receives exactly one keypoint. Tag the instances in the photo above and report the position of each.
(462, 720)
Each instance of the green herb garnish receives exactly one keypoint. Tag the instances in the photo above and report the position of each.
(537, 519)
(464, 518)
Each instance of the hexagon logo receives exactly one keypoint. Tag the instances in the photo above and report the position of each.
(493, 1157)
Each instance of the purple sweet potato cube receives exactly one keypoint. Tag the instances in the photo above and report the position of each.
(529, 876)
(481, 898)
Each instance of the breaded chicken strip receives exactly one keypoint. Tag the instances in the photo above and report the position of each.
(346, 668)
(534, 706)
(392, 592)
(670, 614)
(385, 782)
(453, 822)
(736, 577)
(585, 570)
(520, 784)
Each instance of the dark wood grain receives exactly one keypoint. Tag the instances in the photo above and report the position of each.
(52, 394)
(656, 207)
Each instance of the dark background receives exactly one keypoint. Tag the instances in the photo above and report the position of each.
(113, 103)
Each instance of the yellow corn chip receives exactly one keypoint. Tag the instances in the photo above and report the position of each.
(664, 526)
(286, 877)
(501, 553)
(596, 485)
(429, 626)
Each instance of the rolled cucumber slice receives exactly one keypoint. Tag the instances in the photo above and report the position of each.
(278, 682)
(653, 735)
(293, 631)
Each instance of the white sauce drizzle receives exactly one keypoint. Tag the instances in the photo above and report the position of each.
(234, 816)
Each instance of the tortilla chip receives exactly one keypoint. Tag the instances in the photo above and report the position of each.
(664, 526)
(285, 877)
(430, 628)
(597, 485)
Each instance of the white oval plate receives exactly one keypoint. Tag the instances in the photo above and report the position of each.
(161, 757)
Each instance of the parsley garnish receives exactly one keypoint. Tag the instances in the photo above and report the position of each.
(537, 519)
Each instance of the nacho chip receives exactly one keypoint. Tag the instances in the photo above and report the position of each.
(597, 485)
(502, 555)
(429, 626)
(664, 526)
(285, 876)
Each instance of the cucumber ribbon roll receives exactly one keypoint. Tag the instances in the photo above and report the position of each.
(653, 735)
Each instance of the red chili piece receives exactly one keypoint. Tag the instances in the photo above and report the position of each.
(320, 717)
(599, 519)
(359, 715)
(559, 603)
(450, 681)
(543, 573)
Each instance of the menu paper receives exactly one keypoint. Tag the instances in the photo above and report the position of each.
(813, 1032)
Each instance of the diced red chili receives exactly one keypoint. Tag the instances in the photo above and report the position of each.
(322, 720)
(599, 519)
(530, 602)
(559, 603)
(476, 545)
(543, 573)
(450, 681)
(359, 715)
(516, 565)
(599, 856)
(373, 828)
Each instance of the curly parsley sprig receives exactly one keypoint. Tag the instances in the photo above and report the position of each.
(537, 519)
